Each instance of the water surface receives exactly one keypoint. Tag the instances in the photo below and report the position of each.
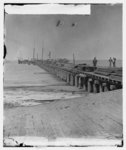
(28, 84)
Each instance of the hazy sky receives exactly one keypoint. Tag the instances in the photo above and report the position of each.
(98, 34)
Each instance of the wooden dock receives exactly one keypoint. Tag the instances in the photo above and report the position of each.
(89, 78)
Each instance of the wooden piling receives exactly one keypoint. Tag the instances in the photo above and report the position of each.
(81, 79)
(76, 80)
(90, 85)
(105, 87)
(82, 82)
(96, 86)
(65, 76)
(68, 77)
(112, 87)
(101, 87)
(72, 82)
(86, 83)
(79, 82)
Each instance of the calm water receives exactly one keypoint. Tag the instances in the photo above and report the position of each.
(28, 84)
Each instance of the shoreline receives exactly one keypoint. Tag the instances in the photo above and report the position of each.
(35, 95)
(91, 116)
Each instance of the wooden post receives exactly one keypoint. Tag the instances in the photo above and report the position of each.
(105, 86)
(61, 74)
(82, 82)
(90, 85)
(68, 77)
(79, 82)
(84, 87)
(101, 87)
(118, 86)
(96, 86)
(71, 79)
(86, 83)
(112, 87)
(65, 74)
(76, 80)
(108, 86)
(58, 72)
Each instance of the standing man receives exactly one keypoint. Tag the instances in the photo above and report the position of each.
(114, 62)
(110, 62)
(95, 62)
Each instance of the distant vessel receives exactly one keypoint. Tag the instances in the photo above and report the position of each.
(33, 59)
(25, 61)
(19, 61)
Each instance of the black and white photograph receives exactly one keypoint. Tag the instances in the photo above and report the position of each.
(63, 74)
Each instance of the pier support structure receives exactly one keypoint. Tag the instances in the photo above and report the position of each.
(89, 81)
(90, 85)
(96, 86)
(76, 80)
(72, 79)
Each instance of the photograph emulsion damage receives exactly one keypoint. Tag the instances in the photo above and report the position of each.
(63, 78)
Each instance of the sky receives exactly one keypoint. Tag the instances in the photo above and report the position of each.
(96, 35)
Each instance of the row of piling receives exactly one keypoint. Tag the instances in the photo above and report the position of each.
(82, 80)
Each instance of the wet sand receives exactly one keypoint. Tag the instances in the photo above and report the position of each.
(33, 95)
(92, 116)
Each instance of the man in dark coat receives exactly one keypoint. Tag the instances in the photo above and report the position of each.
(95, 62)
(114, 62)
(110, 62)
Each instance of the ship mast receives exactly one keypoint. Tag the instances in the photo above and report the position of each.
(37, 56)
(73, 59)
(42, 50)
(34, 51)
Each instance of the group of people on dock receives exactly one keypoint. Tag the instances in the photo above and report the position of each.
(112, 62)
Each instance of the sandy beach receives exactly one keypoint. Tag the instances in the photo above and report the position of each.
(90, 116)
